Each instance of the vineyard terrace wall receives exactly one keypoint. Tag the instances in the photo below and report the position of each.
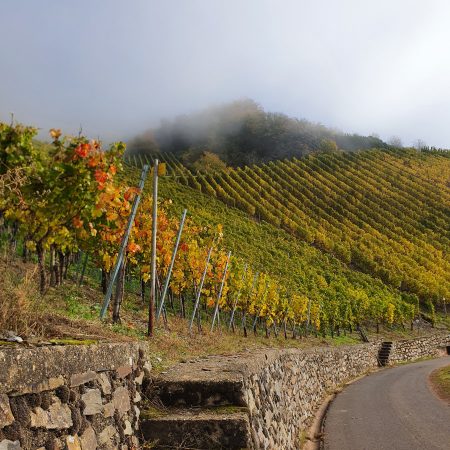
(75, 397)
(287, 388)
(282, 389)
(89, 397)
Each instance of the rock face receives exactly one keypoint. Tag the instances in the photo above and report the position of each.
(70, 397)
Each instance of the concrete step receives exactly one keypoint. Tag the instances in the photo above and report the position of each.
(213, 428)
(197, 393)
(200, 383)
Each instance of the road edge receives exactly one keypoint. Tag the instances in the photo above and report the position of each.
(315, 433)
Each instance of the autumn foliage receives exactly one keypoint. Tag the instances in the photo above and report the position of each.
(70, 196)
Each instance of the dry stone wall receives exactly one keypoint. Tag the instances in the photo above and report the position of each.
(283, 396)
(427, 346)
(70, 397)
(284, 390)
(89, 397)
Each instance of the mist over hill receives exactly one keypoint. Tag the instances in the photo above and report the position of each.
(242, 133)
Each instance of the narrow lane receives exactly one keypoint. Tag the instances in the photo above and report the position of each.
(393, 409)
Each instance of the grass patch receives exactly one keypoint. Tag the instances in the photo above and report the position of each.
(440, 380)
(76, 309)
(227, 409)
(152, 412)
(68, 341)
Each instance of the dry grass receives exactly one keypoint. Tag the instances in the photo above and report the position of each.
(440, 379)
(19, 298)
(69, 311)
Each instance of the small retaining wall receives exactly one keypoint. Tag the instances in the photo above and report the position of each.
(408, 349)
(283, 395)
(87, 397)
(70, 397)
(287, 387)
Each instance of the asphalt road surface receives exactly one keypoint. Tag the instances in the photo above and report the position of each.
(393, 409)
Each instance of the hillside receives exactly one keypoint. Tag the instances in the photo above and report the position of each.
(338, 294)
(241, 133)
(72, 205)
(381, 212)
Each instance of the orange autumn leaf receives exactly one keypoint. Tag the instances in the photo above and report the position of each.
(77, 222)
(100, 176)
(82, 150)
(92, 162)
(133, 247)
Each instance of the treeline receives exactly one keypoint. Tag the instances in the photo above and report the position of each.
(242, 133)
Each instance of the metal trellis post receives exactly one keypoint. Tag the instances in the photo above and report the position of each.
(216, 309)
(123, 245)
(172, 261)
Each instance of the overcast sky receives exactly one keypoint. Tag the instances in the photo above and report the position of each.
(117, 67)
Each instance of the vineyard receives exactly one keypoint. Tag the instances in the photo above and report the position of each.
(381, 212)
(68, 203)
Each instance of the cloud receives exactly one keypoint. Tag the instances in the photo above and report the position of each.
(118, 67)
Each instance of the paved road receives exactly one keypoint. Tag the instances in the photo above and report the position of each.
(393, 409)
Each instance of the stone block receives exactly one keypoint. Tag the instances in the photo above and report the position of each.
(82, 378)
(108, 409)
(93, 402)
(137, 411)
(46, 385)
(106, 436)
(57, 417)
(128, 431)
(139, 378)
(104, 383)
(73, 443)
(88, 439)
(121, 400)
(6, 415)
(147, 369)
(6, 444)
(124, 371)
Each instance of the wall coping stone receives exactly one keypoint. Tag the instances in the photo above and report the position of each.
(29, 370)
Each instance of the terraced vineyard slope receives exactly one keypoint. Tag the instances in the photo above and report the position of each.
(382, 212)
